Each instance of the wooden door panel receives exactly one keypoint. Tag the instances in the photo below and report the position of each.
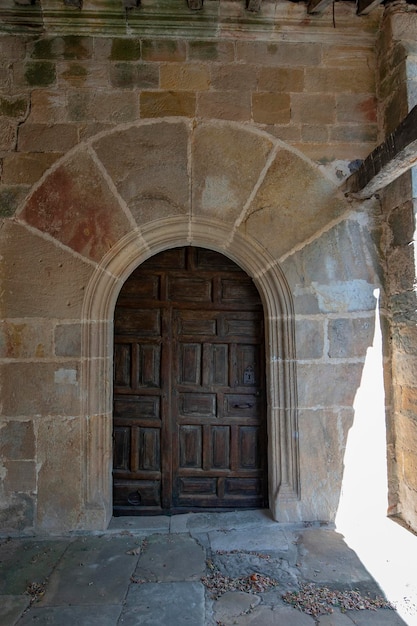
(189, 414)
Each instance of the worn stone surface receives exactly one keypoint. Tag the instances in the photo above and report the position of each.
(169, 558)
(26, 169)
(148, 165)
(11, 607)
(234, 603)
(28, 271)
(17, 440)
(156, 604)
(91, 585)
(59, 493)
(74, 206)
(323, 436)
(278, 200)
(226, 166)
(25, 338)
(69, 615)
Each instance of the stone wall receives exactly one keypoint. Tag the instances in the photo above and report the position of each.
(114, 148)
(397, 96)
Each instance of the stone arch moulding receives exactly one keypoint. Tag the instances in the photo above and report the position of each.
(97, 341)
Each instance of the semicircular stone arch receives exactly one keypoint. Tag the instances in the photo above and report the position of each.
(125, 195)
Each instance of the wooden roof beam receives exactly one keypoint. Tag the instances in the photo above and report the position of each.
(388, 161)
(318, 6)
(366, 6)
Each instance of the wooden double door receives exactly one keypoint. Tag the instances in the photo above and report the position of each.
(189, 387)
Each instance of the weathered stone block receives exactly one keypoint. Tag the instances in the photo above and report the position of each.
(149, 168)
(40, 73)
(408, 402)
(280, 53)
(8, 134)
(278, 202)
(309, 338)
(402, 272)
(24, 168)
(230, 77)
(68, 340)
(401, 223)
(313, 108)
(355, 108)
(322, 439)
(50, 388)
(129, 75)
(125, 49)
(67, 47)
(17, 512)
(404, 369)
(188, 77)
(11, 198)
(281, 79)
(20, 476)
(48, 107)
(226, 165)
(74, 205)
(44, 138)
(226, 105)
(271, 108)
(17, 440)
(25, 339)
(328, 385)
(163, 50)
(74, 73)
(332, 80)
(12, 47)
(14, 106)
(350, 338)
(59, 499)
(314, 134)
(346, 56)
(168, 103)
(110, 106)
(215, 51)
(355, 133)
(404, 339)
(28, 283)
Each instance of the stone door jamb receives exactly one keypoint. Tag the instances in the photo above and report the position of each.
(97, 357)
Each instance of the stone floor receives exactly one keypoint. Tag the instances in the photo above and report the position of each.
(188, 570)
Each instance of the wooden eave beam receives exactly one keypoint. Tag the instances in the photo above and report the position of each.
(318, 6)
(253, 5)
(366, 6)
(388, 161)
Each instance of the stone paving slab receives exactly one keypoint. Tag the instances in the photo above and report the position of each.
(11, 607)
(25, 561)
(326, 559)
(234, 603)
(265, 616)
(271, 540)
(95, 570)
(382, 617)
(164, 604)
(145, 525)
(71, 616)
(168, 558)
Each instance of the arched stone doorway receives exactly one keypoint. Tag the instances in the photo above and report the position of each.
(189, 420)
(100, 301)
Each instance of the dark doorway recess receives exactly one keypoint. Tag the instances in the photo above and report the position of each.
(189, 387)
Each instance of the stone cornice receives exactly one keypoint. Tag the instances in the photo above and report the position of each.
(226, 18)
